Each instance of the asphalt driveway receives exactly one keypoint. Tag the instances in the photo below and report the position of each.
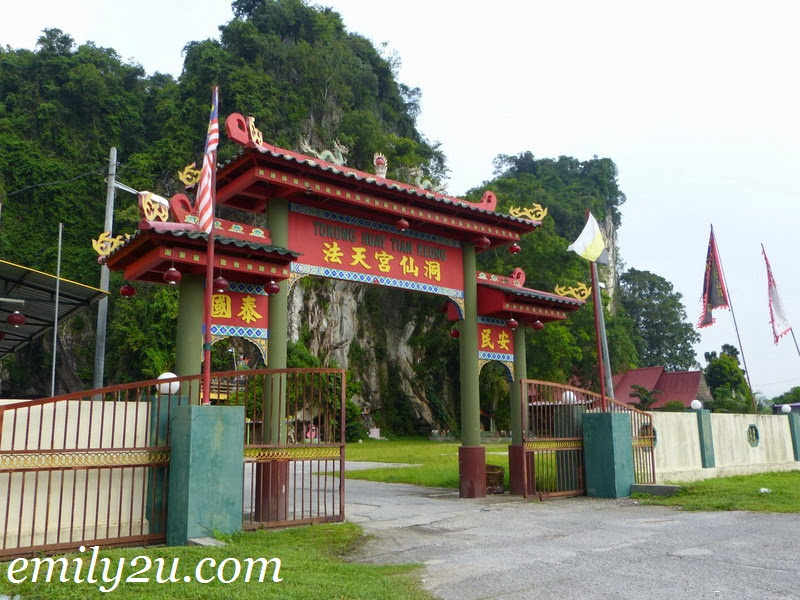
(506, 547)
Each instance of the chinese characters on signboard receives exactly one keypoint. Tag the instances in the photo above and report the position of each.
(349, 249)
(495, 340)
(241, 311)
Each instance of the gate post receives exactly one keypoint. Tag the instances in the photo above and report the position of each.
(608, 450)
(516, 452)
(272, 478)
(471, 455)
(206, 474)
(189, 342)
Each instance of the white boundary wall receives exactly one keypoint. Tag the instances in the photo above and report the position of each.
(678, 452)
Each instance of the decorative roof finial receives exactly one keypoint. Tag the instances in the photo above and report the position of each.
(381, 164)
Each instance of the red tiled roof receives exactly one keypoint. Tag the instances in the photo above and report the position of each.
(682, 386)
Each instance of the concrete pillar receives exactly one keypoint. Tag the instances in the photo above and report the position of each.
(206, 473)
(706, 438)
(516, 453)
(608, 452)
(794, 427)
(275, 394)
(189, 343)
(471, 455)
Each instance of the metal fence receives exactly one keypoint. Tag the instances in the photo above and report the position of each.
(93, 467)
(85, 468)
(552, 438)
(294, 470)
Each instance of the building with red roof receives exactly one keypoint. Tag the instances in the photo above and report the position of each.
(680, 386)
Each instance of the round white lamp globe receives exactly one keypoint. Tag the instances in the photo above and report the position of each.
(696, 405)
(569, 396)
(786, 409)
(168, 388)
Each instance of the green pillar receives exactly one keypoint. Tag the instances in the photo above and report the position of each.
(520, 373)
(794, 427)
(205, 474)
(471, 455)
(608, 454)
(706, 436)
(275, 399)
(516, 453)
(189, 343)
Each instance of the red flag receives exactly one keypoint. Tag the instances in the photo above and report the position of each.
(205, 192)
(715, 295)
(777, 315)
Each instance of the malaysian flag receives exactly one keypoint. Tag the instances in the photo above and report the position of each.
(715, 294)
(205, 189)
(777, 314)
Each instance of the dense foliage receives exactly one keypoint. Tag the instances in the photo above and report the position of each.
(726, 381)
(663, 337)
(298, 71)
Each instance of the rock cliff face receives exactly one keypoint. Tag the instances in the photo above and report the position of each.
(370, 331)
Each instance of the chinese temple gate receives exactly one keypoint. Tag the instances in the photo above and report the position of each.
(329, 220)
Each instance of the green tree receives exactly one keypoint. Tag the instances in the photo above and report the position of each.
(663, 337)
(790, 397)
(727, 382)
(645, 398)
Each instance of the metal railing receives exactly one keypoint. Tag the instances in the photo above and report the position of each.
(93, 467)
(552, 438)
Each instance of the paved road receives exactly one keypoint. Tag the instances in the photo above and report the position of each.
(508, 548)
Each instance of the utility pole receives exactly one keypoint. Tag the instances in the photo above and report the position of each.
(102, 305)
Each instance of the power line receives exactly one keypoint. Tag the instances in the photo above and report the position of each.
(51, 183)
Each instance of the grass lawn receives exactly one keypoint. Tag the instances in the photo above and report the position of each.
(737, 493)
(313, 566)
(439, 461)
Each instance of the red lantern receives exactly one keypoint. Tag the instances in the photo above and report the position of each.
(127, 290)
(16, 319)
(402, 224)
(537, 324)
(455, 334)
(220, 284)
(514, 248)
(172, 276)
(482, 242)
(512, 323)
(272, 288)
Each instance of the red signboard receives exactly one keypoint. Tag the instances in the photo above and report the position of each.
(241, 311)
(495, 340)
(356, 249)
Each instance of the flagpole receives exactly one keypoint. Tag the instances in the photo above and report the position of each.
(208, 293)
(598, 307)
(735, 326)
(209, 290)
(795, 342)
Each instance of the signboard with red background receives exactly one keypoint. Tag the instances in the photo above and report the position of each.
(495, 340)
(241, 311)
(356, 249)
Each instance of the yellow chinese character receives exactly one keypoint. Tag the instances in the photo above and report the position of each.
(383, 259)
(358, 256)
(248, 312)
(409, 268)
(433, 270)
(503, 340)
(221, 306)
(332, 253)
(486, 339)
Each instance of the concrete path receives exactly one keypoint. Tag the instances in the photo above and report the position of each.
(509, 548)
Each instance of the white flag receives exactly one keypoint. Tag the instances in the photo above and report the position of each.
(590, 244)
(777, 315)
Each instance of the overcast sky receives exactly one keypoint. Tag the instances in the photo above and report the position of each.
(696, 103)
